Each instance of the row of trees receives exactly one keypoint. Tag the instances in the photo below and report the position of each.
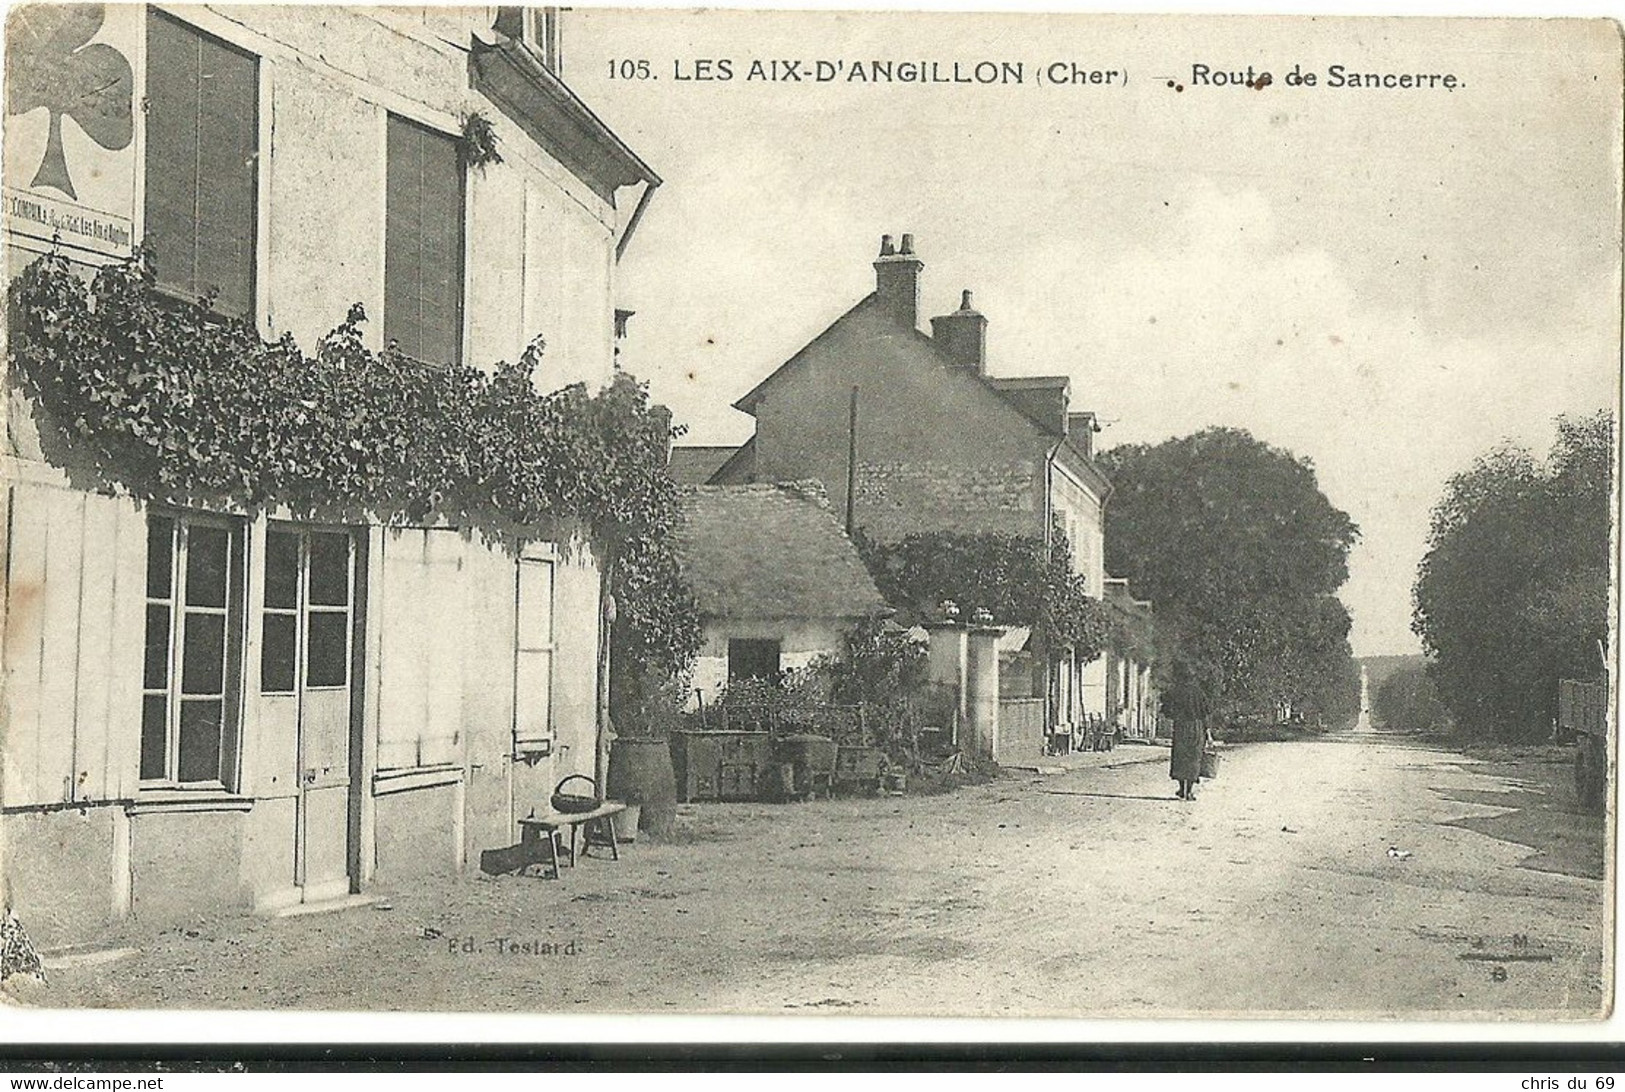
(1512, 594)
(1242, 555)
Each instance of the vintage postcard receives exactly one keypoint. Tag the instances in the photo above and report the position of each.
(560, 511)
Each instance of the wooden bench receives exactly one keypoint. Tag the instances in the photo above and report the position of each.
(542, 829)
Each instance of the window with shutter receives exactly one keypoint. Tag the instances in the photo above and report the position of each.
(202, 151)
(423, 244)
(533, 658)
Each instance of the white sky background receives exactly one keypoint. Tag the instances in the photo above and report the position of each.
(1387, 282)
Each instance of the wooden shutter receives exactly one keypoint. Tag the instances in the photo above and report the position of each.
(533, 656)
(423, 244)
(202, 150)
(423, 642)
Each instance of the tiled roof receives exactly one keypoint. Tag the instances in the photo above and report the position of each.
(771, 551)
(695, 464)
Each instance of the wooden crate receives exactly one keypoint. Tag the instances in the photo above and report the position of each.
(720, 765)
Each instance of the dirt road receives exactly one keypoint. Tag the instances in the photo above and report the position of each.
(1088, 893)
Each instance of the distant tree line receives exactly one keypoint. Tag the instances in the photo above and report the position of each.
(1407, 701)
(1512, 594)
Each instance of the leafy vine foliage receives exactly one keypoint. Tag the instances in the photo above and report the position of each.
(1014, 577)
(477, 145)
(176, 403)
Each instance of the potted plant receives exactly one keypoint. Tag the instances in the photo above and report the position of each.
(640, 768)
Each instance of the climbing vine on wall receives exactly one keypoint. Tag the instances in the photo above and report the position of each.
(1014, 577)
(176, 403)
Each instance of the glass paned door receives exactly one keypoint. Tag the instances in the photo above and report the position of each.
(306, 667)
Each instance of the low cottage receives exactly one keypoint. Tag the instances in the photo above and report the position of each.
(777, 580)
(862, 408)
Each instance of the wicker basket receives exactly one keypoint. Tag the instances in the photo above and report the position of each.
(574, 803)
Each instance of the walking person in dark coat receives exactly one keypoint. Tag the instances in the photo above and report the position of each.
(1187, 704)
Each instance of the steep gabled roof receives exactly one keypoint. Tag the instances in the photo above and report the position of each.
(747, 404)
(1043, 401)
(772, 551)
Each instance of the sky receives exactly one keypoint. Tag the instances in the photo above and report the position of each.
(1386, 282)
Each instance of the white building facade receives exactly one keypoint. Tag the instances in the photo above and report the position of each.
(217, 708)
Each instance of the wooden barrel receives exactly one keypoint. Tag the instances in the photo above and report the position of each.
(640, 772)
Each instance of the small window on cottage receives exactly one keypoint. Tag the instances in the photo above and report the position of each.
(533, 657)
(752, 658)
(423, 243)
(191, 681)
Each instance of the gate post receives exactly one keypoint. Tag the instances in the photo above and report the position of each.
(947, 664)
(983, 685)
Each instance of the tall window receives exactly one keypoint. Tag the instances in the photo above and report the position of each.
(192, 680)
(202, 118)
(423, 244)
(533, 657)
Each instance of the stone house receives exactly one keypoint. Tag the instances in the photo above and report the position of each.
(778, 582)
(910, 431)
(206, 709)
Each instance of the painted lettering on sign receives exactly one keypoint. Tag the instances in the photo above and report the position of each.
(35, 218)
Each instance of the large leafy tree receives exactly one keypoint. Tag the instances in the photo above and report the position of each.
(1513, 592)
(1242, 555)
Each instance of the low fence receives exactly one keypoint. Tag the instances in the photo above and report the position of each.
(1582, 706)
(925, 724)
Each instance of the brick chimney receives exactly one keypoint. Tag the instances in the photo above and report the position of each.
(897, 281)
(962, 336)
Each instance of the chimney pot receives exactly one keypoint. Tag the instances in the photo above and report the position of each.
(897, 281)
(962, 336)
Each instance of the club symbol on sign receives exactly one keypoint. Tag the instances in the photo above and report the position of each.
(49, 64)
